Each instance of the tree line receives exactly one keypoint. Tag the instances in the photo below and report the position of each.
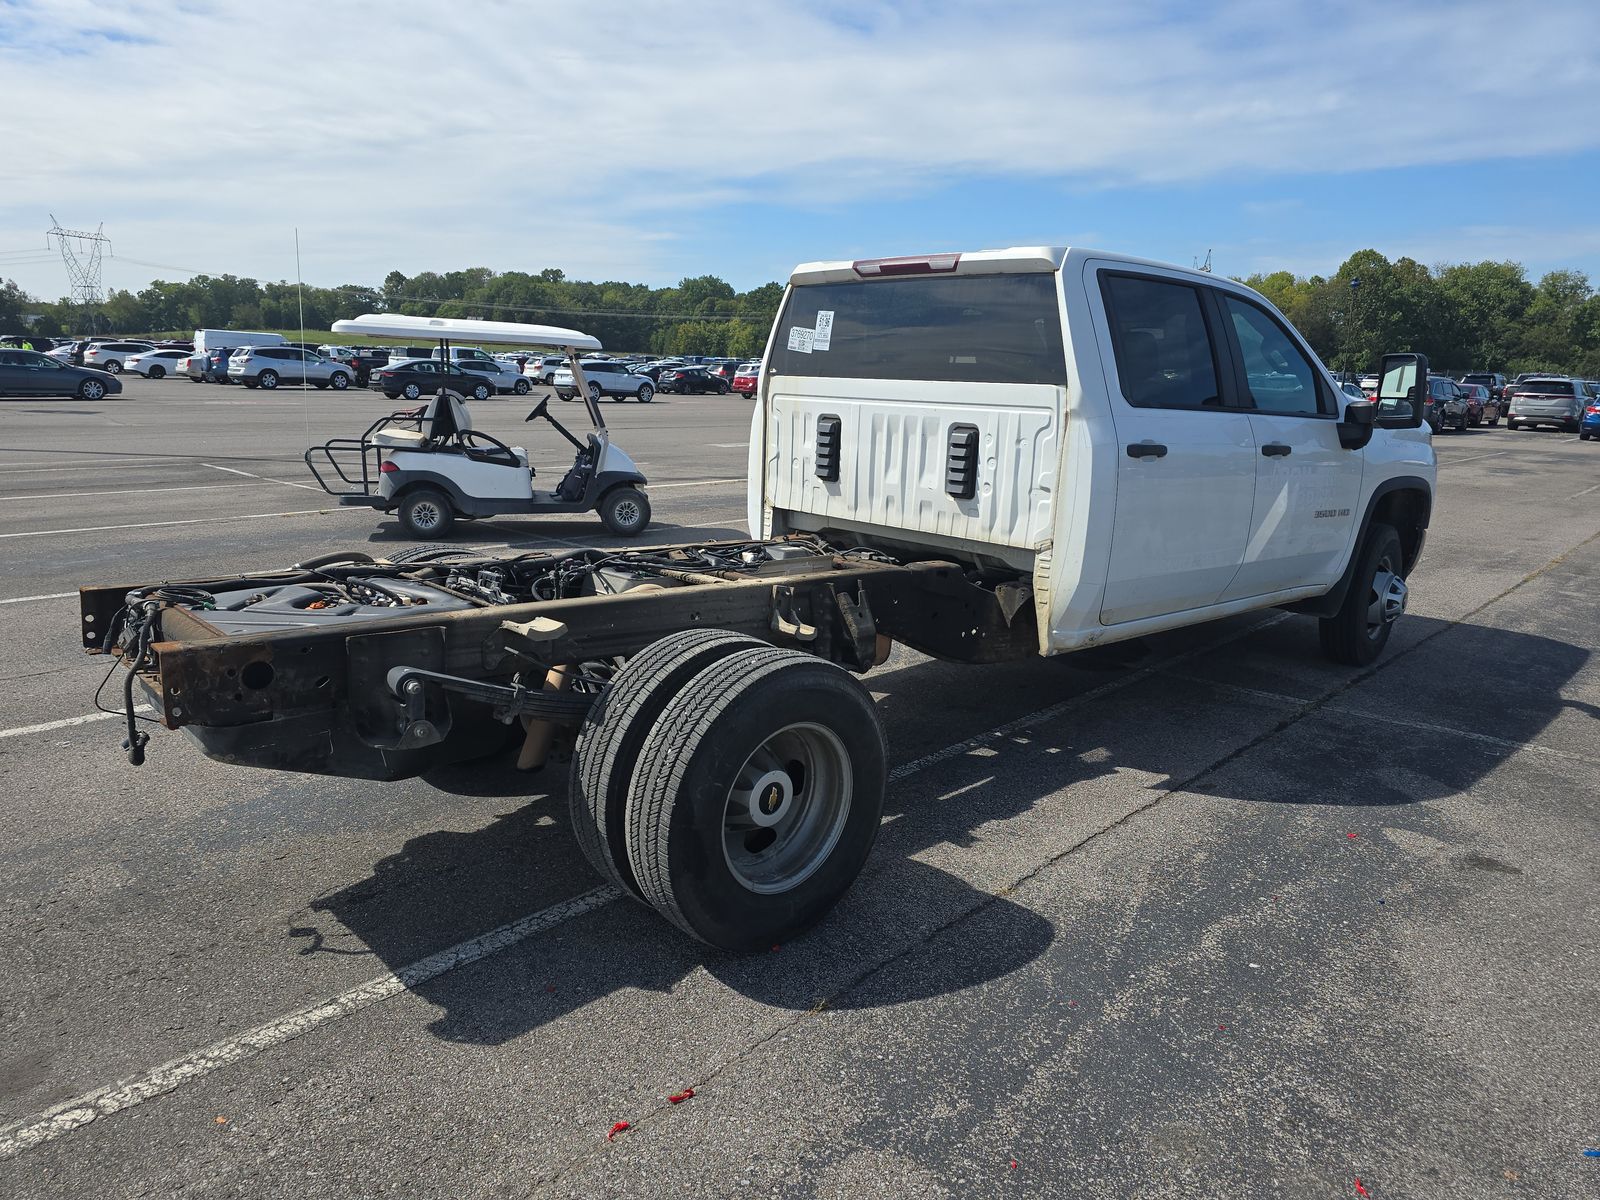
(1485, 316)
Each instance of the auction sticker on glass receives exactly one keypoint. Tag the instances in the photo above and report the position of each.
(823, 337)
(800, 339)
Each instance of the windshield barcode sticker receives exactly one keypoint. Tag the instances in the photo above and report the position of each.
(823, 337)
(800, 339)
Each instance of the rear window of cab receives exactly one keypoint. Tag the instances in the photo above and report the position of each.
(957, 328)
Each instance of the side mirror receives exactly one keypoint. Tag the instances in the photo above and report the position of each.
(1402, 390)
(1355, 431)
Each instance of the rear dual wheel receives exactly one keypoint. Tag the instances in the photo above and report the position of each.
(753, 789)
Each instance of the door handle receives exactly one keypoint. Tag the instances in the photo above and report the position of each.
(1147, 450)
(1276, 449)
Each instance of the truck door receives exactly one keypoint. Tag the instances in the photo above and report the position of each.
(1185, 454)
(1306, 484)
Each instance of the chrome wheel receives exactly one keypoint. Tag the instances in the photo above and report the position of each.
(267, 379)
(626, 513)
(1386, 600)
(786, 809)
(411, 392)
(92, 389)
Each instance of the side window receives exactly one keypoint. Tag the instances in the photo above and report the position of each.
(1281, 378)
(1163, 349)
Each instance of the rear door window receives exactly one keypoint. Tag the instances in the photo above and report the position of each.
(961, 328)
(1163, 349)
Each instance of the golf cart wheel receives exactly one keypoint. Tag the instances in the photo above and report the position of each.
(757, 798)
(625, 511)
(1358, 632)
(426, 513)
(646, 394)
(338, 381)
(91, 389)
(267, 379)
(521, 387)
(594, 392)
(614, 732)
(157, 373)
(411, 392)
(482, 392)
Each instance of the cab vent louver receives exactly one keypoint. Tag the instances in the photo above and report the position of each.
(827, 458)
(961, 462)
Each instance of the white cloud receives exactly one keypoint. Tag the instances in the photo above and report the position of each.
(405, 133)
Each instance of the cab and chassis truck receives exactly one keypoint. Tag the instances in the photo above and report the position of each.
(982, 456)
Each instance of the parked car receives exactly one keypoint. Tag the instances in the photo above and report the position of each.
(414, 378)
(544, 369)
(606, 378)
(1482, 407)
(693, 380)
(214, 365)
(268, 366)
(31, 373)
(506, 376)
(652, 370)
(1493, 380)
(1352, 389)
(110, 356)
(1590, 427)
(1446, 407)
(194, 367)
(1557, 400)
(748, 378)
(724, 371)
(156, 364)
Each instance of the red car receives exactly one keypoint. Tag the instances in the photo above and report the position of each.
(746, 378)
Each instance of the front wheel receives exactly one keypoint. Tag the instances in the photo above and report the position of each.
(157, 373)
(646, 394)
(426, 513)
(625, 511)
(1358, 632)
(91, 389)
(521, 387)
(757, 798)
(482, 392)
(338, 381)
(267, 379)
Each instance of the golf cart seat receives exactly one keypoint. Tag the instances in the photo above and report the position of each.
(444, 417)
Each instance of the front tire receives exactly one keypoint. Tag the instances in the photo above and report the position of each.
(482, 392)
(757, 798)
(267, 379)
(338, 381)
(625, 511)
(1358, 632)
(426, 513)
(91, 389)
(646, 394)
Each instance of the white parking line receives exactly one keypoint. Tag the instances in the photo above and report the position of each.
(69, 722)
(80, 1110)
(1451, 462)
(661, 487)
(1585, 492)
(300, 512)
(63, 1118)
(45, 596)
(87, 466)
(285, 482)
(193, 487)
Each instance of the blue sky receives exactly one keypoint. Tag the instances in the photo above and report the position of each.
(648, 141)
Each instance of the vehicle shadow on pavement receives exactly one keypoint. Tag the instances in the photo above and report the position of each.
(444, 887)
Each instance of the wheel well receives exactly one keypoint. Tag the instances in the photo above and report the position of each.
(1407, 509)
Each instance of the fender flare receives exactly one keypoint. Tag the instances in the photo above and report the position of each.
(1329, 603)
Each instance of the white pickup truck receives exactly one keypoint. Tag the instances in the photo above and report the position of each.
(981, 456)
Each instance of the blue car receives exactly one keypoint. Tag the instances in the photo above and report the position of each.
(1590, 426)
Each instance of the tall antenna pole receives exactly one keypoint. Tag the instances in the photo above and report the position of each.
(80, 252)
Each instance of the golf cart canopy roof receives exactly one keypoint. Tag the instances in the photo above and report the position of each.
(456, 329)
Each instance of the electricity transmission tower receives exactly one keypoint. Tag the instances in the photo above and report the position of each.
(80, 252)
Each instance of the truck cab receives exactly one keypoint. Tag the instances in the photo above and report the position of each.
(1150, 446)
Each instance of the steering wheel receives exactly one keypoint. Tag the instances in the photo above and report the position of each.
(494, 449)
(539, 410)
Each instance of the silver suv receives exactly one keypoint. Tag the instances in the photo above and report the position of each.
(606, 379)
(268, 366)
(1547, 400)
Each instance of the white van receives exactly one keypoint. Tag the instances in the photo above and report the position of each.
(232, 339)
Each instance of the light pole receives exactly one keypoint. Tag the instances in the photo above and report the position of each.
(1352, 325)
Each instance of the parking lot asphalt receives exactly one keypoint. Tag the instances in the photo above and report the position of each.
(1223, 921)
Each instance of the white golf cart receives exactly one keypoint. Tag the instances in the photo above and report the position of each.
(429, 465)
